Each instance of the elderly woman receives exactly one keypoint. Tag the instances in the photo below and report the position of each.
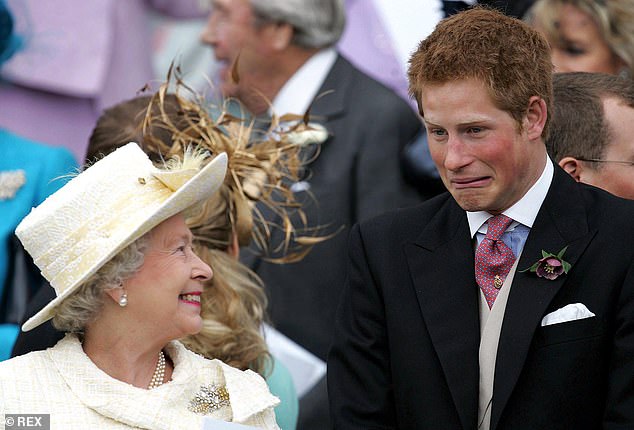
(233, 302)
(114, 245)
(260, 167)
(588, 35)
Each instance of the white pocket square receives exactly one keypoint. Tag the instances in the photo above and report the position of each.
(571, 312)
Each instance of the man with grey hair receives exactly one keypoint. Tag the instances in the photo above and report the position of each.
(592, 129)
(279, 56)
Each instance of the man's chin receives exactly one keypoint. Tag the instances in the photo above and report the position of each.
(229, 89)
(471, 201)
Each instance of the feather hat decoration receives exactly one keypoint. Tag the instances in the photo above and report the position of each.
(263, 164)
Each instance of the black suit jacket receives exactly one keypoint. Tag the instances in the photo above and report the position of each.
(406, 346)
(356, 176)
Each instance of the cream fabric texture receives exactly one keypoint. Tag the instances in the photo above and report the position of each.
(63, 382)
(490, 328)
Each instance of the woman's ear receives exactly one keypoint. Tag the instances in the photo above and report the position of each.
(536, 115)
(118, 295)
(234, 247)
(572, 166)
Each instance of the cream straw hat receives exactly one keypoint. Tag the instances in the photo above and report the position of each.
(75, 231)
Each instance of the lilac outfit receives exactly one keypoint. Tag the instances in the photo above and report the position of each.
(368, 45)
(79, 57)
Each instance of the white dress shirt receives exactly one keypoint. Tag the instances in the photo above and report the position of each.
(523, 212)
(299, 91)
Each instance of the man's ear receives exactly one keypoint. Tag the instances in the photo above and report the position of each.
(280, 35)
(535, 119)
(572, 166)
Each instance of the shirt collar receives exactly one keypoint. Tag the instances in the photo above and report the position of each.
(299, 91)
(525, 210)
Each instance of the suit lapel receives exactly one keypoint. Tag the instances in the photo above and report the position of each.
(560, 222)
(329, 104)
(441, 265)
(330, 101)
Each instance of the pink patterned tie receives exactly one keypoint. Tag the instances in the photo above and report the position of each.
(493, 259)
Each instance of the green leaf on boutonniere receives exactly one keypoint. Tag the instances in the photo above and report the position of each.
(550, 266)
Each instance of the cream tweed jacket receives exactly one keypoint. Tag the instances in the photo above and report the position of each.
(63, 382)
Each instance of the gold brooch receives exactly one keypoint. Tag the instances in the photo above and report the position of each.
(498, 282)
(10, 182)
(208, 399)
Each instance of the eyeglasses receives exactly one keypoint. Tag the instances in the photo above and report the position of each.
(596, 160)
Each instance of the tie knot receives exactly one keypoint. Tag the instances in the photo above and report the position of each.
(497, 226)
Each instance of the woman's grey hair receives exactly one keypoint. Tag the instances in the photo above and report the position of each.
(85, 304)
(317, 23)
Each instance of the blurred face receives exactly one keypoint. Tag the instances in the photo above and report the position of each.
(164, 295)
(231, 31)
(616, 178)
(581, 47)
(482, 158)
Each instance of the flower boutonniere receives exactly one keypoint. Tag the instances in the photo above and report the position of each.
(550, 266)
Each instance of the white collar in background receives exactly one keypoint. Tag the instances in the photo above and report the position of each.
(299, 91)
(525, 210)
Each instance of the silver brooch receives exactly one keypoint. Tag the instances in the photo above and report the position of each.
(10, 183)
(208, 399)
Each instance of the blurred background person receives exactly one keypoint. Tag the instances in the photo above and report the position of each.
(378, 38)
(114, 245)
(588, 35)
(279, 57)
(29, 172)
(591, 130)
(78, 58)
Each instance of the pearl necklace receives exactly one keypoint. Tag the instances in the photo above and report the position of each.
(159, 372)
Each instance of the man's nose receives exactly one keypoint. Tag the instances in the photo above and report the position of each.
(208, 35)
(457, 155)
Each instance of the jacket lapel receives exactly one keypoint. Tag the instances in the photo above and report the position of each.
(329, 104)
(560, 222)
(441, 265)
(330, 101)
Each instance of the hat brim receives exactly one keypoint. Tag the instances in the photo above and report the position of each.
(205, 183)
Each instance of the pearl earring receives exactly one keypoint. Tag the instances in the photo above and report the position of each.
(123, 300)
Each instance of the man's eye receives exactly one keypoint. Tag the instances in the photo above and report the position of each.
(437, 132)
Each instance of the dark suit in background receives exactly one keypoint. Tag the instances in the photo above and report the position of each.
(514, 8)
(356, 176)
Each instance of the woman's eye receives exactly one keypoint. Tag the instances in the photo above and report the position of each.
(574, 50)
